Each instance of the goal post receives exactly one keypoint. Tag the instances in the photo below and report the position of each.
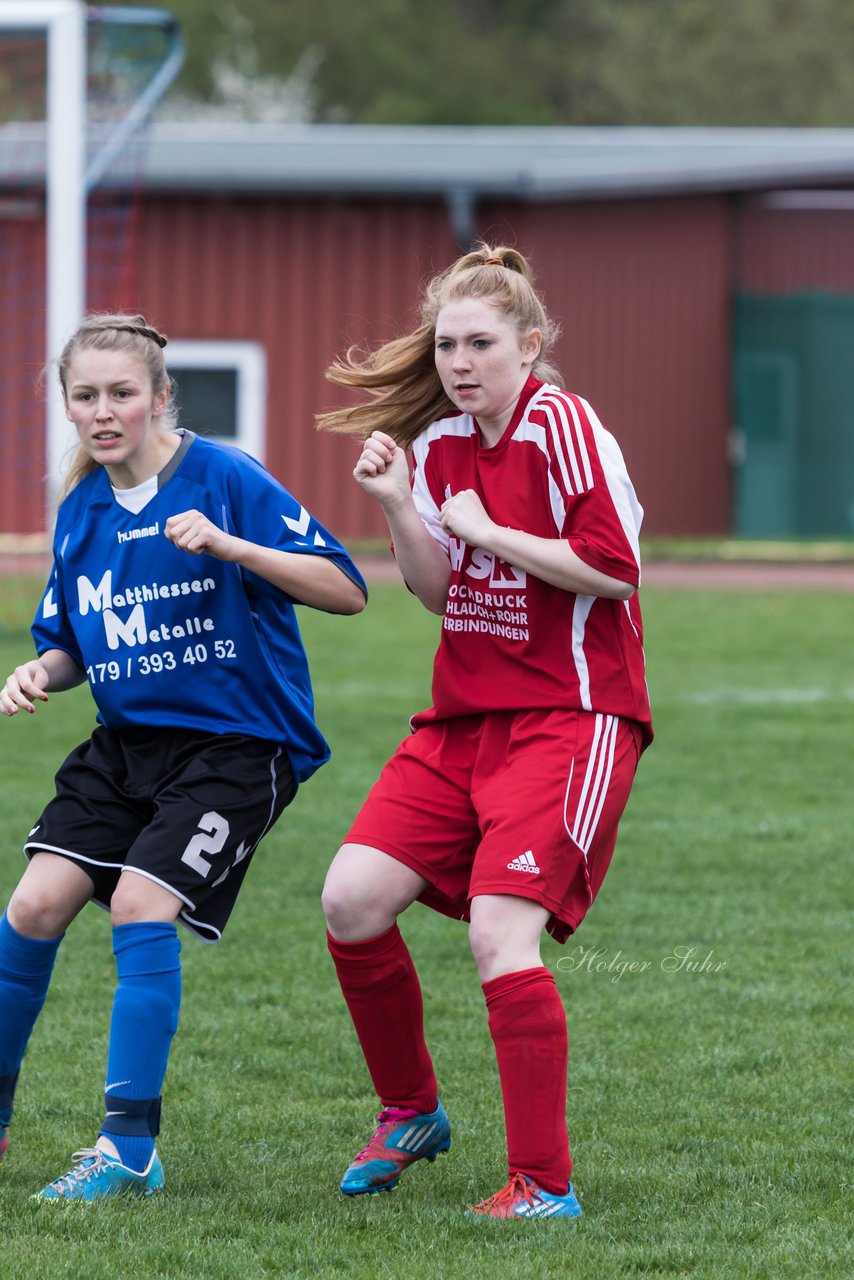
(64, 23)
(102, 73)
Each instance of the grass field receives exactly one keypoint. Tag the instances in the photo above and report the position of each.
(708, 995)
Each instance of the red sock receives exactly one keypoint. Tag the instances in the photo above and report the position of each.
(383, 994)
(528, 1027)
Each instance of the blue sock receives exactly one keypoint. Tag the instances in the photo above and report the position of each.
(145, 1018)
(26, 965)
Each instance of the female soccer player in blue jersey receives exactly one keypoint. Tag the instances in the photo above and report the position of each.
(519, 525)
(177, 565)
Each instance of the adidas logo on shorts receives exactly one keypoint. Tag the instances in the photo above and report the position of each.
(525, 862)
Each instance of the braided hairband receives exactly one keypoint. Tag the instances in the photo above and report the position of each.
(142, 331)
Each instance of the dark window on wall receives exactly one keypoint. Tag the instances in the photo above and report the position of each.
(221, 390)
(207, 401)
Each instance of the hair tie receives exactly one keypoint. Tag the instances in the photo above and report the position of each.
(143, 331)
(493, 261)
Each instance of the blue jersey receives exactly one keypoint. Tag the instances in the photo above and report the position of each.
(171, 639)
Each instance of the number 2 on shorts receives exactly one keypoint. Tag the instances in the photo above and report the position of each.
(213, 833)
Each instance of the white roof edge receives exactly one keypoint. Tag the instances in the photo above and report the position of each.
(528, 163)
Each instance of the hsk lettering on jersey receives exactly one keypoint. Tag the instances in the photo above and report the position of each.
(499, 607)
(134, 629)
(484, 565)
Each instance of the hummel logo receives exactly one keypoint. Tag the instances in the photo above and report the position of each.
(525, 862)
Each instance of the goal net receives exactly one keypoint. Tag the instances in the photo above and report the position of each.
(78, 84)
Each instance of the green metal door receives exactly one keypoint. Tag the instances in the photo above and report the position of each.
(766, 439)
(793, 396)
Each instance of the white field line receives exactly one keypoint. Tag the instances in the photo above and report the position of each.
(764, 697)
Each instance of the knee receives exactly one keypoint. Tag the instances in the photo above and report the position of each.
(123, 907)
(365, 892)
(35, 912)
(136, 899)
(486, 944)
(354, 911)
(505, 935)
(128, 905)
(343, 907)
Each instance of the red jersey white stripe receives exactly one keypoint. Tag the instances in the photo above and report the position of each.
(510, 640)
(568, 437)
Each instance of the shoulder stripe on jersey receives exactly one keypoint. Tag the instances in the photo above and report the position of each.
(620, 487)
(572, 486)
(557, 411)
(582, 443)
(568, 434)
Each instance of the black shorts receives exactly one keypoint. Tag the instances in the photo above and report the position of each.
(185, 809)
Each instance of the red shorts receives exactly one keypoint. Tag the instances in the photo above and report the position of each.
(525, 803)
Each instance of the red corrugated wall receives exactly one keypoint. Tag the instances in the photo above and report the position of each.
(640, 289)
(26, 382)
(305, 278)
(23, 456)
(789, 250)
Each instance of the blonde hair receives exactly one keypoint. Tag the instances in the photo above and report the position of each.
(115, 331)
(404, 389)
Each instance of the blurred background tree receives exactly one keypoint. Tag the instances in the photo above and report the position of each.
(523, 62)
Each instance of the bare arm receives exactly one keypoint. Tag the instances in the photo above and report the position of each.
(551, 559)
(383, 472)
(313, 580)
(55, 670)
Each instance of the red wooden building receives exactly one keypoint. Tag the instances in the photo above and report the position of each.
(263, 251)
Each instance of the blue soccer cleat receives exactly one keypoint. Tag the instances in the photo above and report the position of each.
(401, 1138)
(99, 1173)
(522, 1198)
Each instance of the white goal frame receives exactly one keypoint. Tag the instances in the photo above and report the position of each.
(64, 22)
(67, 179)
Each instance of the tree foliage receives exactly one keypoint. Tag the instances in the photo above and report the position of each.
(529, 62)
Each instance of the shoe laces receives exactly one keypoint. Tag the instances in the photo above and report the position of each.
(508, 1196)
(88, 1162)
(389, 1118)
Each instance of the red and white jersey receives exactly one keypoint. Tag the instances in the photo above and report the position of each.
(510, 640)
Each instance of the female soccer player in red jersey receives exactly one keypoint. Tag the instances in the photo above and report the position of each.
(518, 523)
